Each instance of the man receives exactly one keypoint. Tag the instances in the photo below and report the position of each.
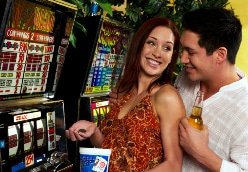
(210, 42)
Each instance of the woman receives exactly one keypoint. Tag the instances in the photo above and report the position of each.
(142, 125)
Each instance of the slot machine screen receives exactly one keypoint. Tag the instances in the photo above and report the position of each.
(33, 48)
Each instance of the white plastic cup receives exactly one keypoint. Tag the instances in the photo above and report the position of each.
(94, 159)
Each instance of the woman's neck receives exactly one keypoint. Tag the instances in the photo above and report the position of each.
(143, 83)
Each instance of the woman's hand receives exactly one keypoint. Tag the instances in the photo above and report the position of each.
(113, 96)
(81, 130)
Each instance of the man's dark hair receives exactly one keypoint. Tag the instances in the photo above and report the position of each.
(217, 27)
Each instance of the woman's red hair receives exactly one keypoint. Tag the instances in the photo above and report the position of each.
(132, 65)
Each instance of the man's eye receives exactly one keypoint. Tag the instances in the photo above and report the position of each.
(191, 53)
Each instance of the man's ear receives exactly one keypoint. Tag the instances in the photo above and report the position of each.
(221, 54)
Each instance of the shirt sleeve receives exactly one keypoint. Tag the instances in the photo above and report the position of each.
(227, 166)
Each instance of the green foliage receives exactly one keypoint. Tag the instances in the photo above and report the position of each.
(105, 6)
(73, 38)
(137, 11)
(141, 10)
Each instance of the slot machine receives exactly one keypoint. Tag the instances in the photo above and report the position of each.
(99, 108)
(18, 135)
(31, 136)
(96, 60)
(34, 37)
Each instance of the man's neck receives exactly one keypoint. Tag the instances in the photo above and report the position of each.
(210, 87)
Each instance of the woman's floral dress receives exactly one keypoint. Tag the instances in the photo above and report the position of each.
(135, 139)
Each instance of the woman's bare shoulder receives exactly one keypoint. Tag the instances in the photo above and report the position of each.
(167, 92)
(167, 100)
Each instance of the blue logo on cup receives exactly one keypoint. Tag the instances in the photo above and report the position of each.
(94, 159)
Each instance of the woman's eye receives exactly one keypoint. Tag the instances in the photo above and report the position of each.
(167, 48)
(150, 42)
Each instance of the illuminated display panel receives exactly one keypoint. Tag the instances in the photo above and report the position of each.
(33, 48)
(109, 56)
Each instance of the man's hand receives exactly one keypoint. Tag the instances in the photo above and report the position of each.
(193, 140)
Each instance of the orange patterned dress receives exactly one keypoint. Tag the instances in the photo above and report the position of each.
(135, 139)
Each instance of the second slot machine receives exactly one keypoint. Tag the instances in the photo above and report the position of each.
(33, 136)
